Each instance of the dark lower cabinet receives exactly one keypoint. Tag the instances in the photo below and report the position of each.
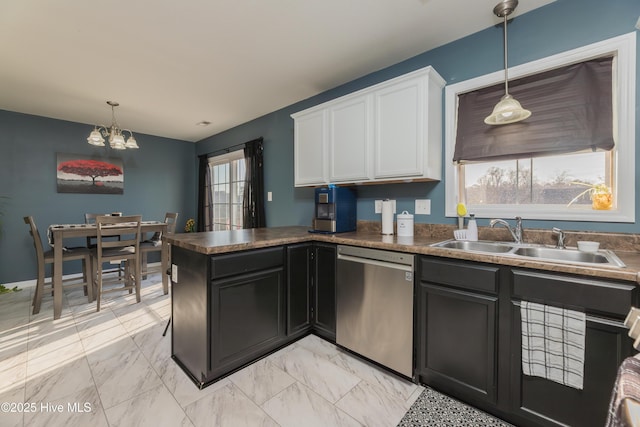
(324, 291)
(458, 329)
(299, 279)
(606, 303)
(231, 309)
(228, 310)
(469, 339)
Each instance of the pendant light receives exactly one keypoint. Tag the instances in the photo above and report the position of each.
(508, 110)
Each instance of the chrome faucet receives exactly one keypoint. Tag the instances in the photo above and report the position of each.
(516, 232)
(560, 233)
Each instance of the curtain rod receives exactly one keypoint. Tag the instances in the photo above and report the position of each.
(228, 149)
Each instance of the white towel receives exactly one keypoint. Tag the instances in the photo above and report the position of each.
(553, 343)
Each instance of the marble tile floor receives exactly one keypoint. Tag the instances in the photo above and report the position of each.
(113, 368)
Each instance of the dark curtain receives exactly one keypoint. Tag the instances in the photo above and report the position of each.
(571, 110)
(204, 184)
(253, 202)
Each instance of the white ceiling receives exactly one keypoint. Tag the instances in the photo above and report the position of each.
(171, 64)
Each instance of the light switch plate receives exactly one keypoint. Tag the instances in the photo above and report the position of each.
(269, 196)
(423, 207)
(378, 206)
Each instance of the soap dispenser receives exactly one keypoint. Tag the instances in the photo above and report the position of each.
(472, 229)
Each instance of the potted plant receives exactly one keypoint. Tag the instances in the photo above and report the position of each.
(190, 226)
(599, 194)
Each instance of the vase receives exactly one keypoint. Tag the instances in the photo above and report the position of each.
(602, 201)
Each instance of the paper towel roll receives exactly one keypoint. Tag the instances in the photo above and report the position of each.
(387, 217)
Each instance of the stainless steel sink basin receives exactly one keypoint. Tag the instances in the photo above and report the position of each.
(568, 255)
(479, 246)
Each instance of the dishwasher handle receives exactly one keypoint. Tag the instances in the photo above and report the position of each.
(395, 266)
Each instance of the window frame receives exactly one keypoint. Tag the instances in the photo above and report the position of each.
(228, 158)
(624, 77)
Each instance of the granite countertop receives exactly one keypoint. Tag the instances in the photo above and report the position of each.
(217, 242)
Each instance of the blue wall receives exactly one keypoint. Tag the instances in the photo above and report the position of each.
(159, 177)
(557, 27)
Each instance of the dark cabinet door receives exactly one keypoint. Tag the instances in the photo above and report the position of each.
(458, 342)
(548, 403)
(248, 318)
(299, 270)
(324, 291)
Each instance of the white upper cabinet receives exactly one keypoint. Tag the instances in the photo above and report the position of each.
(309, 148)
(388, 132)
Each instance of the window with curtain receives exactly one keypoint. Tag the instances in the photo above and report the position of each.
(540, 168)
(550, 158)
(231, 188)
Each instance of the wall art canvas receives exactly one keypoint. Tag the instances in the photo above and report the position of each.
(81, 174)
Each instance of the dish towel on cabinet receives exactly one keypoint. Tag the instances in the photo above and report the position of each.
(553, 343)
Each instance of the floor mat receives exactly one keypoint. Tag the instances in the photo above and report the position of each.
(435, 410)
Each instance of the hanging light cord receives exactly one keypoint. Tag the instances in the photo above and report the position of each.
(506, 66)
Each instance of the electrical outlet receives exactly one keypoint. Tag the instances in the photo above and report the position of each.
(174, 273)
(423, 207)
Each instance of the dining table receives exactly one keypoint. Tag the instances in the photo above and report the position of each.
(57, 233)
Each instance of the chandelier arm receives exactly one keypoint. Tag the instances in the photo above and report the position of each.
(103, 130)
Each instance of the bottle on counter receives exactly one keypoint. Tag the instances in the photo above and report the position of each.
(472, 229)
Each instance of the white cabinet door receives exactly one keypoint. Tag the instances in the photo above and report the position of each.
(400, 129)
(309, 148)
(349, 136)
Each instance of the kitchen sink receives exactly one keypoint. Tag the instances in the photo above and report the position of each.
(568, 255)
(479, 246)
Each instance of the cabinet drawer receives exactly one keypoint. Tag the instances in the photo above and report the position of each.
(591, 294)
(245, 262)
(462, 275)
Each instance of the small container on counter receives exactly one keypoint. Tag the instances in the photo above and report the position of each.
(405, 224)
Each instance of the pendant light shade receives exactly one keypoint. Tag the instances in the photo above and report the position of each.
(508, 110)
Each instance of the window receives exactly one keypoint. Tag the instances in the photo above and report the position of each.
(542, 187)
(227, 173)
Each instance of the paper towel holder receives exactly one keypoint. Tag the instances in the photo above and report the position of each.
(388, 208)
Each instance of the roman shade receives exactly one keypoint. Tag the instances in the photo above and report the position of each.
(572, 111)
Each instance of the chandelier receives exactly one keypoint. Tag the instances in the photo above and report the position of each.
(114, 133)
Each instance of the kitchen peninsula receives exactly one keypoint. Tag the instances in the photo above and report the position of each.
(239, 295)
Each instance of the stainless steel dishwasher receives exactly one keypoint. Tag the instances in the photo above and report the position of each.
(374, 305)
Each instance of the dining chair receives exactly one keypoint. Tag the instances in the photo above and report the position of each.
(90, 218)
(125, 248)
(46, 257)
(154, 244)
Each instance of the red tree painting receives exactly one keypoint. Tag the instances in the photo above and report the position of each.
(88, 168)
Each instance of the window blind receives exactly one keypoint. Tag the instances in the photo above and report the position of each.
(572, 111)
